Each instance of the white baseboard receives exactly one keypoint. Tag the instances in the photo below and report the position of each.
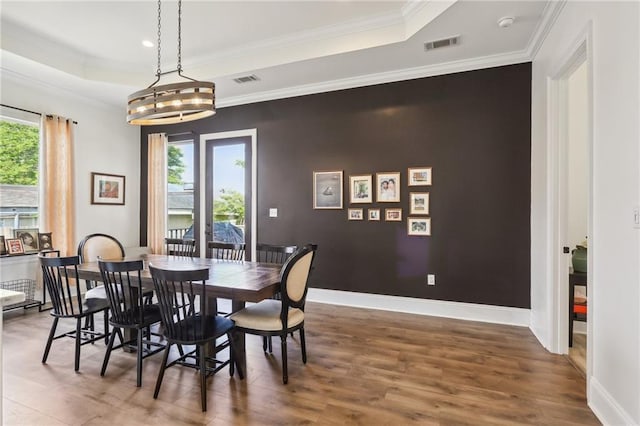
(605, 407)
(438, 308)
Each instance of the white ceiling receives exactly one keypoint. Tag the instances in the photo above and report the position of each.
(293, 47)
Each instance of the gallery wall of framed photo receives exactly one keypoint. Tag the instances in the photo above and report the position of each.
(328, 194)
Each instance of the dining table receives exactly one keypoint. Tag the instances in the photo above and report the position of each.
(238, 280)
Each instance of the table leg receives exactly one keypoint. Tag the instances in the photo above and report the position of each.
(241, 352)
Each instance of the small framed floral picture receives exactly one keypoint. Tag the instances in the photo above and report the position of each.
(418, 203)
(360, 189)
(419, 226)
(393, 215)
(14, 246)
(374, 214)
(355, 214)
(419, 176)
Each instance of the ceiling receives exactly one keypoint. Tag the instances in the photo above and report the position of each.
(94, 48)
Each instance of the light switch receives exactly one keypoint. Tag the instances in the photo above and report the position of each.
(273, 212)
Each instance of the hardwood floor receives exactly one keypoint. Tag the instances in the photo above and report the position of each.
(364, 367)
(578, 352)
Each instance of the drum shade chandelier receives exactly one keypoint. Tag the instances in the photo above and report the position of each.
(171, 103)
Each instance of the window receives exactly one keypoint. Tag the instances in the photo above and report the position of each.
(19, 157)
(180, 196)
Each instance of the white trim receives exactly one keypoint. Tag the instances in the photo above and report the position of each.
(253, 133)
(605, 407)
(379, 78)
(439, 308)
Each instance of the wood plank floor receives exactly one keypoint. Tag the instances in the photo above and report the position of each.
(364, 367)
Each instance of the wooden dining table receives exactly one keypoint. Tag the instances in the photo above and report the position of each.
(240, 281)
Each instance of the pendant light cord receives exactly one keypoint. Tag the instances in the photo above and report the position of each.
(159, 71)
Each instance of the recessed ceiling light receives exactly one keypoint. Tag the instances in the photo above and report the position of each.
(147, 43)
(506, 21)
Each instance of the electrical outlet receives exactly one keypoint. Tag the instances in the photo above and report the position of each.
(431, 279)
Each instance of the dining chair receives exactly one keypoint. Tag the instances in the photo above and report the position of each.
(90, 249)
(226, 251)
(129, 312)
(272, 317)
(184, 324)
(183, 247)
(67, 302)
(270, 253)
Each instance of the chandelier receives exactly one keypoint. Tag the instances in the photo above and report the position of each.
(175, 102)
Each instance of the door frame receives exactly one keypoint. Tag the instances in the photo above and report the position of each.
(204, 138)
(580, 52)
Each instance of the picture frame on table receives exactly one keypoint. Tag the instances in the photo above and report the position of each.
(45, 241)
(374, 214)
(388, 187)
(3, 246)
(419, 203)
(107, 189)
(420, 176)
(393, 215)
(419, 226)
(29, 239)
(327, 190)
(360, 189)
(14, 246)
(356, 214)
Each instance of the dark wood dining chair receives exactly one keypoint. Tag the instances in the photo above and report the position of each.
(271, 253)
(272, 317)
(226, 251)
(59, 274)
(129, 311)
(184, 247)
(184, 324)
(278, 254)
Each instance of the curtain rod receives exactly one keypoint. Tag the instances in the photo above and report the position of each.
(30, 112)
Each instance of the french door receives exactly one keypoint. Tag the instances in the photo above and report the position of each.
(228, 212)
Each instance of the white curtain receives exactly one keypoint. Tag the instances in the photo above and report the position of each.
(57, 202)
(157, 192)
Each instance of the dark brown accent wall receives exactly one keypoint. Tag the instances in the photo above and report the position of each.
(473, 128)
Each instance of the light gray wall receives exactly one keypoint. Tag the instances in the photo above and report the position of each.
(104, 143)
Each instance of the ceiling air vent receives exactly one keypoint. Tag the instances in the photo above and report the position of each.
(436, 44)
(246, 79)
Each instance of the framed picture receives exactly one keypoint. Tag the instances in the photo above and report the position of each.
(44, 239)
(374, 214)
(419, 176)
(355, 214)
(419, 226)
(418, 203)
(360, 189)
(327, 190)
(3, 246)
(107, 189)
(393, 215)
(14, 246)
(29, 239)
(388, 185)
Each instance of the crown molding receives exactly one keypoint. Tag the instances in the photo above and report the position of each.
(378, 78)
(549, 17)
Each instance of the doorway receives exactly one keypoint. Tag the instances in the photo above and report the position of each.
(571, 188)
(228, 170)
